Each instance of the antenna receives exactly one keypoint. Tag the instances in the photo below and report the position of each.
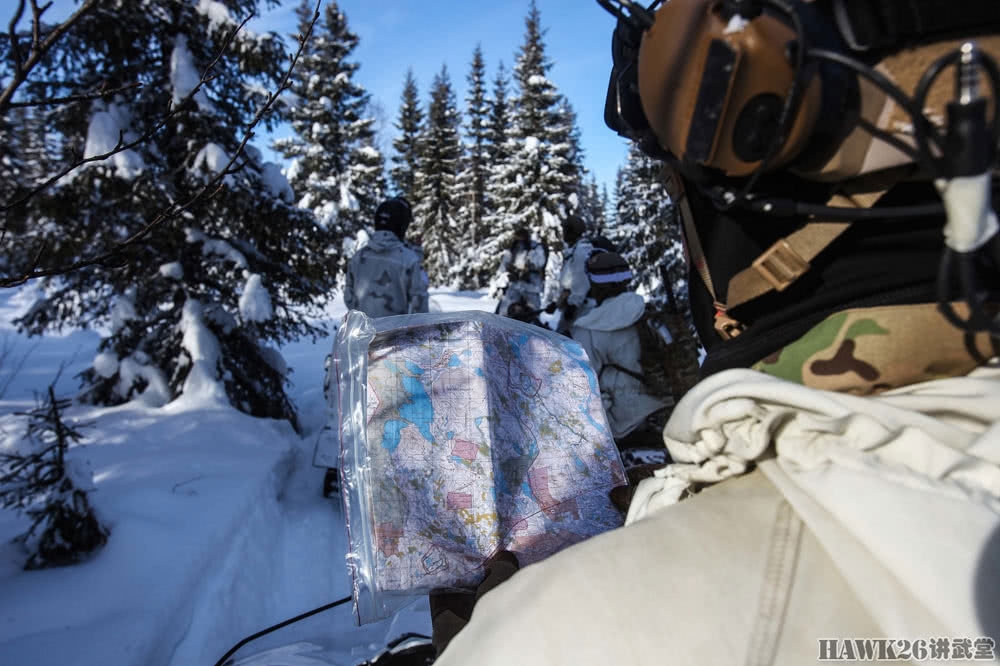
(640, 18)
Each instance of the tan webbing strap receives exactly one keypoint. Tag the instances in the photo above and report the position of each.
(726, 326)
(783, 263)
(788, 259)
(776, 269)
(675, 188)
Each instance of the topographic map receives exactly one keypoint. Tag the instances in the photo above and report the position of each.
(481, 437)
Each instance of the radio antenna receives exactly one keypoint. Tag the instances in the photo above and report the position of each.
(639, 18)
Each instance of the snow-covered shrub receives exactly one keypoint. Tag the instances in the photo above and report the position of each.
(50, 488)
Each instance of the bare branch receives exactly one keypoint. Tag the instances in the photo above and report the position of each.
(15, 50)
(38, 48)
(210, 188)
(82, 97)
(36, 24)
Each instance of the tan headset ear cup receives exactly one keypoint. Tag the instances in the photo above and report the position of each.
(672, 60)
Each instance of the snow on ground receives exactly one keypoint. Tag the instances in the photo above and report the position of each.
(218, 525)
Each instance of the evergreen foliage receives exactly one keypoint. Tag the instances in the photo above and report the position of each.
(435, 222)
(649, 233)
(51, 490)
(499, 150)
(336, 171)
(196, 305)
(534, 187)
(592, 207)
(472, 177)
(409, 124)
(499, 121)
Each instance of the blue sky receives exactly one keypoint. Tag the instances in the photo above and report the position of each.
(424, 34)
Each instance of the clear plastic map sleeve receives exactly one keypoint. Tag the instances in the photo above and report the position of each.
(462, 434)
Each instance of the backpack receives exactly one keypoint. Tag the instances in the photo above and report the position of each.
(668, 355)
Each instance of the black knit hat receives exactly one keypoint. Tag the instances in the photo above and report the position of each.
(574, 225)
(608, 268)
(394, 215)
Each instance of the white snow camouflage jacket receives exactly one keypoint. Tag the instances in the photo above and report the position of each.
(608, 334)
(385, 278)
(869, 526)
(524, 267)
(573, 276)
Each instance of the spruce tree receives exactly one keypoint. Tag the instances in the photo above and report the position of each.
(621, 212)
(499, 176)
(472, 179)
(568, 148)
(650, 237)
(436, 206)
(194, 307)
(336, 171)
(499, 121)
(592, 207)
(409, 123)
(607, 212)
(534, 186)
(649, 232)
(40, 480)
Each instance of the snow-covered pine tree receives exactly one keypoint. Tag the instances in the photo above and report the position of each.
(499, 122)
(621, 211)
(405, 146)
(436, 197)
(21, 163)
(499, 149)
(535, 187)
(336, 171)
(195, 306)
(649, 232)
(38, 479)
(649, 235)
(591, 207)
(568, 146)
(472, 177)
(607, 213)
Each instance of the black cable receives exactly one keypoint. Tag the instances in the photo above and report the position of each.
(937, 68)
(794, 208)
(964, 262)
(921, 126)
(969, 284)
(280, 625)
(893, 140)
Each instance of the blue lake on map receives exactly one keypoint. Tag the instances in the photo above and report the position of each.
(391, 434)
(419, 411)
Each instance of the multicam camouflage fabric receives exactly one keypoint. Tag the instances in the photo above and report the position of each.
(870, 350)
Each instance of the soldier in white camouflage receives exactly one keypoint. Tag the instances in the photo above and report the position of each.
(521, 269)
(385, 276)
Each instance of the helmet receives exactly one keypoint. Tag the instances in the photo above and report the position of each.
(802, 140)
(723, 87)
